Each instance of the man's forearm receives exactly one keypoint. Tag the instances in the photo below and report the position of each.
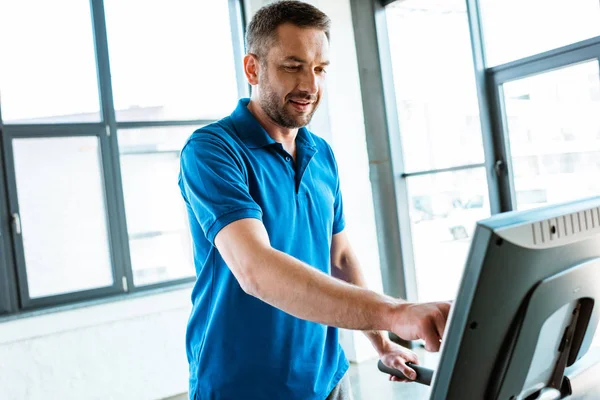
(348, 270)
(303, 291)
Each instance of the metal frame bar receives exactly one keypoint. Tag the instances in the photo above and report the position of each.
(6, 289)
(8, 296)
(442, 170)
(504, 171)
(564, 56)
(157, 124)
(237, 18)
(148, 152)
(114, 185)
(50, 131)
(71, 297)
(384, 149)
(9, 301)
(493, 146)
(13, 208)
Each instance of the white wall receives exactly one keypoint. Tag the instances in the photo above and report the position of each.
(129, 349)
(340, 121)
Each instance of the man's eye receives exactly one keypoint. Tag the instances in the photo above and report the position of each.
(292, 67)
(321, 70)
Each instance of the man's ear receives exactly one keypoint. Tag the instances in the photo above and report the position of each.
(251, 68)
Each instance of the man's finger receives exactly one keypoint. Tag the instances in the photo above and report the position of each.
(440, 324)
(400, 364)
(445, 309)
(430, 336)
(396, 379)
(411, 357)
(408, 372)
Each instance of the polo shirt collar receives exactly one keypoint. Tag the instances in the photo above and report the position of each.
(305, 137)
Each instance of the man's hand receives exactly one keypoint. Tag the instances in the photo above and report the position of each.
(425, 321)
(396, 356)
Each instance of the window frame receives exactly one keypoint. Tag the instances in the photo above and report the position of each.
(14, 293)
(8, 293)
(388, 176)
(497, 76)
(57, 131)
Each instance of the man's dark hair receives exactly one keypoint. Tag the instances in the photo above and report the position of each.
(262, 30)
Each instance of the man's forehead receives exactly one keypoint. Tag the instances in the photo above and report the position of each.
(304, 60)
(293, 41)
(300, 51)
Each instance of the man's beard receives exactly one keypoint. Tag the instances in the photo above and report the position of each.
(269, 102)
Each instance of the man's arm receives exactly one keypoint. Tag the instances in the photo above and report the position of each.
(301, 290)
(345, 266)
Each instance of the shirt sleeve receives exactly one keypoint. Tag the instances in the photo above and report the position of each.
(339, 220)
(214, 183)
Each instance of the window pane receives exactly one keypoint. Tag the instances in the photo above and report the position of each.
(444, 209)
(48, 68)
(176, 64)
(159, 235)
(515, 29)
(553, 124)
(63, 214)
(435, 84)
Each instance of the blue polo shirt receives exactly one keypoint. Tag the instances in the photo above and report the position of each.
(239, 347)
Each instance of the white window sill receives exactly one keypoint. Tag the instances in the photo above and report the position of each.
(40, 323)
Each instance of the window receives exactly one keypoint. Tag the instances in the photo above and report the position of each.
(98, 99)
(547, 105)
(48, 72)
(514, 29)
(440, 128)
(177, 64)
(63, 214)
(435, 84)
(157, 222)
(444, 209)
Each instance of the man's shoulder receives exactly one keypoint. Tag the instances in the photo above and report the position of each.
(219, 133)
(222, 129)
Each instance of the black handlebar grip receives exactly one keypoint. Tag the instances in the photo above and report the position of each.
(424, 375)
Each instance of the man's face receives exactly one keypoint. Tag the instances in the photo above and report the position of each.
(292, 77)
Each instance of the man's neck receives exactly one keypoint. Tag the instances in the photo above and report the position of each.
(285, 136)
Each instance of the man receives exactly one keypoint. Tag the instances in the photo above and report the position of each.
(276, 275)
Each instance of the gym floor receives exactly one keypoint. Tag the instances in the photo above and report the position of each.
(368, 383)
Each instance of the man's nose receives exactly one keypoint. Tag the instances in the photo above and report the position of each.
(309, 83)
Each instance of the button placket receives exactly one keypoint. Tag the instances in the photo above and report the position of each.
(289, 166)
